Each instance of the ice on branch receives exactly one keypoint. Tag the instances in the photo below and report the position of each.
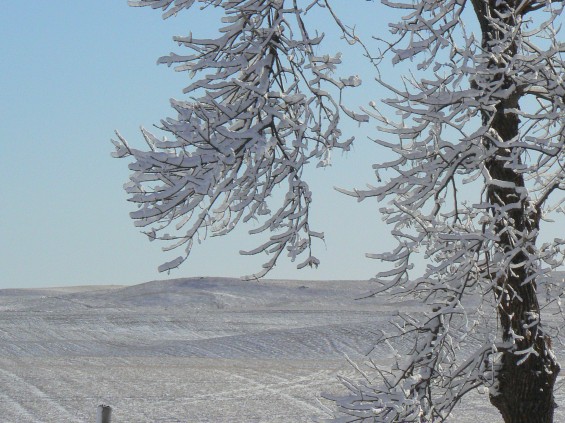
(476, 131)
(260, 107)
(479, 166)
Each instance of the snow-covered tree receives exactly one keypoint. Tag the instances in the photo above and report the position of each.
(482, 108)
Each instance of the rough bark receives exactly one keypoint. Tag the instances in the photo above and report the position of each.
(525, 390)
(525, 385)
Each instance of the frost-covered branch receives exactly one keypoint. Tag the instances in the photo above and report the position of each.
(469, 115)
(477, 131)
(260, 108)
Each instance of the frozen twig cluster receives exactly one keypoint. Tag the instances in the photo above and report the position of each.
(454, 122)
(483, 111)
(263, 105)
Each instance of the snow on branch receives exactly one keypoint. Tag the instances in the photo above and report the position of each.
(478, 167)
(452, 115)
(261, 106)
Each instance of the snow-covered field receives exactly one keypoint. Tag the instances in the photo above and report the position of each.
(190, 350)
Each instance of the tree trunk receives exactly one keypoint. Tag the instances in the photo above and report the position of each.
(527, 369)
(525, 381)
(526, 390)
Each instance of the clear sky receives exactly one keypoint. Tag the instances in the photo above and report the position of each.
(72, 72)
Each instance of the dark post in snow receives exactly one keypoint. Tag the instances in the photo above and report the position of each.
(104, 414)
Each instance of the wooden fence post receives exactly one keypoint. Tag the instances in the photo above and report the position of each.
(104, 414)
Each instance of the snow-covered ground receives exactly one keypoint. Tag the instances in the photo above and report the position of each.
(190, 350)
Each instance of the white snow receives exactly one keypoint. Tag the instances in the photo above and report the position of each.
(190, 350)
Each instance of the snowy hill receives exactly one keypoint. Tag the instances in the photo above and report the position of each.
(188, 350)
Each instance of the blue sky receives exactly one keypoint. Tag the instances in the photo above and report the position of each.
(75, 71)
(72, 73)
